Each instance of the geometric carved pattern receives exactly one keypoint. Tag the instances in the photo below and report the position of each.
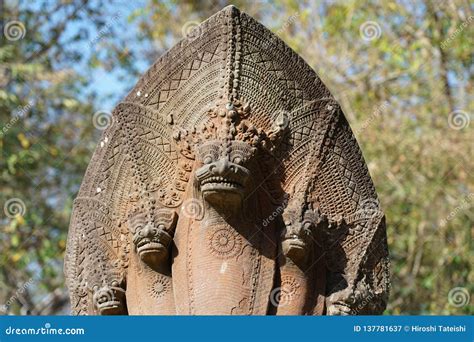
(289, 289)
(159, 286)
(307, 159)
(224, 242)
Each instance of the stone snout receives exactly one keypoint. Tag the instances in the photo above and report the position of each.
(222, 181)
(296, 239)
(153, 238)
(298, 234)
(109, 300)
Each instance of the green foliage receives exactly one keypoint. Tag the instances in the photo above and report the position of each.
(399, 84)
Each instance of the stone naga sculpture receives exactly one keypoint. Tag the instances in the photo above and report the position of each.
(229, 182)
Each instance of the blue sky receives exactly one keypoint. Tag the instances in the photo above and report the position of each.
(107, 84)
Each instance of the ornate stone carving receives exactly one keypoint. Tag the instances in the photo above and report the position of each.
(109, 300)
(229, 183)
(224, 242)
(153, 238)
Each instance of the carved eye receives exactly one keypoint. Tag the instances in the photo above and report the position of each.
(237, 159)
(137, 222)
(209, 152)
(240, 152)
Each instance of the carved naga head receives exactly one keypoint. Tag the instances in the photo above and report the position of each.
(109, 300)
(223, 174)
(225, 149)
(153, 238)
(297, 234)
(300, 229)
